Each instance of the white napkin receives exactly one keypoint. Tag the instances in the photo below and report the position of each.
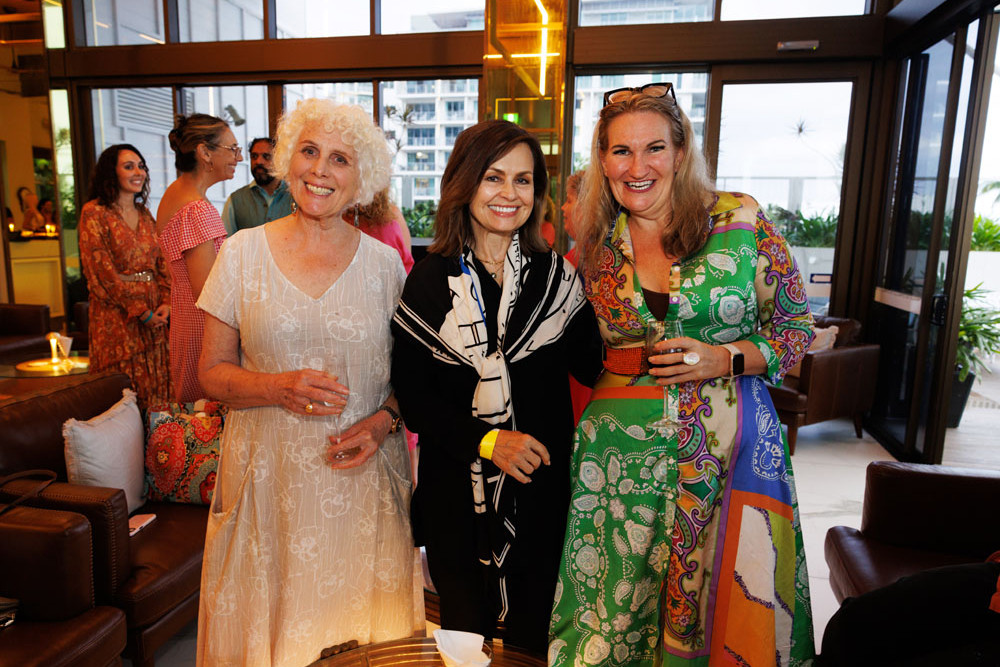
(461, 649)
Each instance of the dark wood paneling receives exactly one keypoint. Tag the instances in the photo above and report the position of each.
(728, 41)
(255, 60)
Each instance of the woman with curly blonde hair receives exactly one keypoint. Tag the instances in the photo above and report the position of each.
(308, 540)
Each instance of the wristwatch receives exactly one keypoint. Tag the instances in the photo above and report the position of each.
(735, 360)
(397, 421)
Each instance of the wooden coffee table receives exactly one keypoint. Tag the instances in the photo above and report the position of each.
(421, 651)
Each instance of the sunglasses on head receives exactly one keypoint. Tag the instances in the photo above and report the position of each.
(651, 89)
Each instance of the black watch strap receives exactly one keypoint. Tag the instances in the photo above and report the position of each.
(397, 421)
(736, 360)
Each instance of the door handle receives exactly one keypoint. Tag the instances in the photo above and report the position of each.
(939, 306)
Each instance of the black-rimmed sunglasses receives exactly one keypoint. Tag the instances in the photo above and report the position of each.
(651, 89)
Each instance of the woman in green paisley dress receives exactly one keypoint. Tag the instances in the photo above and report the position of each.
(682, 548)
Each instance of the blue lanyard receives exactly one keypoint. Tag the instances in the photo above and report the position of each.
(475, 292)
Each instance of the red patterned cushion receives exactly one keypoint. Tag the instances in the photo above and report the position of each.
(182, 451)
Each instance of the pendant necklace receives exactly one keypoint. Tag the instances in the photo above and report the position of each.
(495, 265)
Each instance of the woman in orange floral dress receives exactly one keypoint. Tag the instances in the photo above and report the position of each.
(126, 274)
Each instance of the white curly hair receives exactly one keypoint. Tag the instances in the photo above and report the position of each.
(373, 160)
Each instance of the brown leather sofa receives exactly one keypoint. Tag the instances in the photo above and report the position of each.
(22, 330)
(153, 577)
(46, 564)
(834, 383)
(915, 517)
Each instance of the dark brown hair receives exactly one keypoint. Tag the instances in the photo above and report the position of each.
(190, 132)
(476, 148)
(104, 186)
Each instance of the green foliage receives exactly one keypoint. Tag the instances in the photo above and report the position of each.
(420, 218)
(978, 333)
(985, 235)
(45, 184)
(801, 231)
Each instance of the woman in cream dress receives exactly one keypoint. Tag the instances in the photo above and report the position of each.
(308, 540)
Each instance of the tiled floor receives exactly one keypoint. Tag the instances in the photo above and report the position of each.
(829, 467)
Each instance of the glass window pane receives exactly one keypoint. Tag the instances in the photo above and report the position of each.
(110, 22)
(784, 144)
(65, 214)
(690, 87)
(739, 10)
(52, 18)
(400, 16)
(323, 18)
(620, 12)
(142, 117)
(220, 21)
(421, 120)
(360, 93)
(245, 109)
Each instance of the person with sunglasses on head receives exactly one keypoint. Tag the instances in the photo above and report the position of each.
(191, 233)
(683, 544)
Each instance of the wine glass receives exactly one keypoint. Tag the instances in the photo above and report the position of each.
(657, 331)
(338, 367)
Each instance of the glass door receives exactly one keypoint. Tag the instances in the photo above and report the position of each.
(787, 137)
(917, 271)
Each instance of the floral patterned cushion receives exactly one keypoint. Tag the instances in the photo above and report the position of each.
(182, 451)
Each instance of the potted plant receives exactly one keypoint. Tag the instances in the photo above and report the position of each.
(978, 339)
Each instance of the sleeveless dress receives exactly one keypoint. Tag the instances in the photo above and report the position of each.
(298, 556)
(193, 224)
(687, 550)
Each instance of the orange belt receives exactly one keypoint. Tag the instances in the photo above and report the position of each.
(626, 361)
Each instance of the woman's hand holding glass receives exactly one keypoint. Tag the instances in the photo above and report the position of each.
(310, 392)
(677, 359)
(358, 443)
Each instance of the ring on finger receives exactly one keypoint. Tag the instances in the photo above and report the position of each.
(691, 358)
(309, 408)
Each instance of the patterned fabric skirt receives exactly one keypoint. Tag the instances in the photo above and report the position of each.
(683, 550)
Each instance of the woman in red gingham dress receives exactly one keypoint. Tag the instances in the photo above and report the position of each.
(191, 232)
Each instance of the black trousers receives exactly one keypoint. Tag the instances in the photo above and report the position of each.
(469, 600)
(939, 617)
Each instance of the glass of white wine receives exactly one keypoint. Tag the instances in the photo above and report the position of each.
(657, 331)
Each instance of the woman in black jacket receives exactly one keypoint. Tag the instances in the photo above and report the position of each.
(490, 326)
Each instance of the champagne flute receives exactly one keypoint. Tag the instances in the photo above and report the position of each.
(657, 331)
(338, 367)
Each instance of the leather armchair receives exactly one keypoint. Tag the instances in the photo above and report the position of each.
(22, 330)
(153, 577)
(46, 565)
(834, 383)
(915, 517)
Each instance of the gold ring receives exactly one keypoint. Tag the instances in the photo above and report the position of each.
(309, 408)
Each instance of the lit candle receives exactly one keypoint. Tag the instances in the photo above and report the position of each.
(11, 226)
(50, 228)
(55, 350)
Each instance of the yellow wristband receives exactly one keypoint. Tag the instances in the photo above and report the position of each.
(487, 444)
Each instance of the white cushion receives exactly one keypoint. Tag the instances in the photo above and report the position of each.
(824, 340)
(108, 450)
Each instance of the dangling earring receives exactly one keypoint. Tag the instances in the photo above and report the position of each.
(295, 206)
(357, 216)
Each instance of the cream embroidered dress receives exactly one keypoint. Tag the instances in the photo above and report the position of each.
(299, 556)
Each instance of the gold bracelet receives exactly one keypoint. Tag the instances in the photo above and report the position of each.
(487, 444)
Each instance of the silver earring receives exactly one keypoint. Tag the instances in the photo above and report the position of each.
(357, 215)
(295, 206)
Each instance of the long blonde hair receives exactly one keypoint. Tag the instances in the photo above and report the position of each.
(597, 209)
